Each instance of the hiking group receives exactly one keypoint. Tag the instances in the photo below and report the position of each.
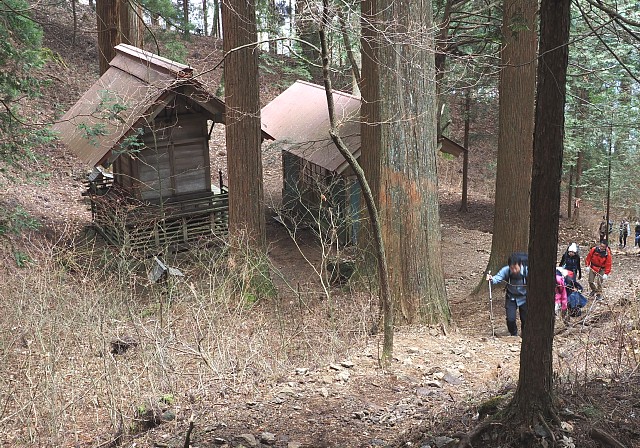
(624, 231)
(569, 299)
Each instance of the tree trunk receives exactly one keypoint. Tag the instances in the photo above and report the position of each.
(441, 57)
(515, 139)
(408, 190)
(107, 14)
(370, 121)
(385, 292)
(272, 26)
(124, 22)
(131, 25)
(578, 179)
(185, 14)
(243, 132)
(307, 30)
(75, 21)
(215, 31)
(570, 194)
(582, 113)
(205, 18)
(465, 159)
(533, 395)
(355, 70)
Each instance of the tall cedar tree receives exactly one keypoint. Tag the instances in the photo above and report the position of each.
(108, 18)
(242, 98)
(400, 115)
(534, 393)
(515, 138)
(369, 111)
(117, 22)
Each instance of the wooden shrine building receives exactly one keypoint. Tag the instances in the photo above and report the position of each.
(145, 126)
(318, 183)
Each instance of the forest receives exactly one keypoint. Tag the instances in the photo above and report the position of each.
(302, 224)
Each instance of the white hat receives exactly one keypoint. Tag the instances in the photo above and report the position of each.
(573, 248)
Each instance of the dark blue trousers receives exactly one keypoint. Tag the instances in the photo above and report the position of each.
(512, 307)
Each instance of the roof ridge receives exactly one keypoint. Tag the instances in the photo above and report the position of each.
(158, 62)
(334, 91)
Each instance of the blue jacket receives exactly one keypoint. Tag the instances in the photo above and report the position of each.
(516, 284)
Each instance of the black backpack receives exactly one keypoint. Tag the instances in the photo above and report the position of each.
(521, 258)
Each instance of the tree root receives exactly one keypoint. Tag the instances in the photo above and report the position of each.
(466, 439)
(605, 438)
(546, 427)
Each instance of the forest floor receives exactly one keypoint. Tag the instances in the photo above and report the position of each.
(436, 386)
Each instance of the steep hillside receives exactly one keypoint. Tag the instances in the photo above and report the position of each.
(95, 355)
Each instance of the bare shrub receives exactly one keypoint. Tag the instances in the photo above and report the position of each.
(213, 332)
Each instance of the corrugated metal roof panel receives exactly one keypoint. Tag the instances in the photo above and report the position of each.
(299, 119)
(104, 114)
(451, 147)
(134, 88)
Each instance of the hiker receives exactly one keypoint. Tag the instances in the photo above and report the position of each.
(561, 292)
(624, 232)
(598, 264)
(571, 261)
(637, 230)
(515, 276)
(603, 229)
(575, 300)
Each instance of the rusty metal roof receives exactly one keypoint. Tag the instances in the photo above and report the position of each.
(299, 119)
(135, 88)
(451, 147)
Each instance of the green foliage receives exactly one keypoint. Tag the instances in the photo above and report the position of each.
(518, 24)
(176, 51)
(170, 12)
(132, 144)
(17, 221)
(290, 69)
(168, 399)
(109, 109)
(92, 132)
(603, 109)
(21, 259)
(111, 106)
(166, 9)
(21, 55)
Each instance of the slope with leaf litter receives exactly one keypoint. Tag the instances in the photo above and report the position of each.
(296, 369)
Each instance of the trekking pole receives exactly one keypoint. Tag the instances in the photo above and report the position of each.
(493, 328)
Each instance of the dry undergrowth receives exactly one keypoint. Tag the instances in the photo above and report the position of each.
(67, 377)
(214, 330)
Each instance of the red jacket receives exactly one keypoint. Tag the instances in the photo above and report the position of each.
(597, 262)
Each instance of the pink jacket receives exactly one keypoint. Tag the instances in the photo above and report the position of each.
(561, 293)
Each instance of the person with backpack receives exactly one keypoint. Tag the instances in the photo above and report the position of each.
(515, 276)
(598, 263)
(602, 230)
(625, 230)
(571, 261)
(561, 292)
(637, 230)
